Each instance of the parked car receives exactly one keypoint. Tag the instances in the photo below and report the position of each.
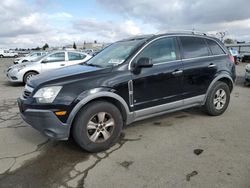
(54, 60)
(247, 75)
(235, 54)
(130, 80)
(7, 53)
(29, 57)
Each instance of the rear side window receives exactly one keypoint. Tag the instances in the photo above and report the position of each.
(75, 56)
(193, 47)
(160, 51)
(215, 48)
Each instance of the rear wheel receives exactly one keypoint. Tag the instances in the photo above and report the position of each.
(218, 99)
(97, 126)
(28, 76)
(1, 56)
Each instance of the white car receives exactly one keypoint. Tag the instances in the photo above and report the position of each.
(54, 60)
(7, 53)
(29, 57)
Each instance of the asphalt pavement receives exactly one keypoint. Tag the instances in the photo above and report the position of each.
(182, 149)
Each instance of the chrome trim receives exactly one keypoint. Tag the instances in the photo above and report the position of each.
(206, 37)
(28, 88)
(188, 59)
(131, 93)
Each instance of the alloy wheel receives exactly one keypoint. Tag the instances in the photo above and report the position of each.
(100, 127)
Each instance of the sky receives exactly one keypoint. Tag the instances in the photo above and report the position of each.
(32, 23)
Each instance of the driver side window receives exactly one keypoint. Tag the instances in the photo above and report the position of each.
(56, 57)
(160, 51)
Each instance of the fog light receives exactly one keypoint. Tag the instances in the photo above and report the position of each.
(61, 113)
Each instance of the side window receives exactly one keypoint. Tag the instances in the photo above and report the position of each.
(56, 57)
(214, 47)
(75, 56)
(193, 47)
(160, 51)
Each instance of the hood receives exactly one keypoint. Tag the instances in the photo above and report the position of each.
(67, 73)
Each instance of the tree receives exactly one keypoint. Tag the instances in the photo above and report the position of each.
(74, 45)
(228, 41)
(45, 46)
(95, 41)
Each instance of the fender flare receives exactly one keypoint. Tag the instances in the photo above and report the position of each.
(94, 96)
(215, 80)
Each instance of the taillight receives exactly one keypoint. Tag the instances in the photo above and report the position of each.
(232, 59)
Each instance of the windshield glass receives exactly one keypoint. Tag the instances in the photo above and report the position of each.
(115, 54)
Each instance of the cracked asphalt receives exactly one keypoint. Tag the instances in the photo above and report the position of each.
(181, 149)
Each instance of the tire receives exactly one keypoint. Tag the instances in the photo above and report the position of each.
(1, 56)
(15, 56)
(218, 99)
(28, 75)
(91, 138)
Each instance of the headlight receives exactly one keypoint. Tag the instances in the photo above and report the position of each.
(47, 94)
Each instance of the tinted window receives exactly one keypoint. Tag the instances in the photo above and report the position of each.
(194, 47)
(162, 50)
(214, 47)
(75, 56)
(60, 56)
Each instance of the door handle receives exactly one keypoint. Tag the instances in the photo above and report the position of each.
(177, 72)
(211, 65)
(62, 65)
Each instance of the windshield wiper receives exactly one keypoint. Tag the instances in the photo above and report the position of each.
(93, 65)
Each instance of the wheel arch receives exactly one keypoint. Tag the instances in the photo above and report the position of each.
(223, 78)
(29, 72)
(113, 98)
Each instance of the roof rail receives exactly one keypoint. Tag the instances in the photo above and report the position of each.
(194, 32)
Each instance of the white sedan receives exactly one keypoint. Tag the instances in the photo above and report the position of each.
(53, 60)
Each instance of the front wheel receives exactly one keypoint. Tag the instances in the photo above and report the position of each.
(97, 126)
(218, 99)
(28, 76)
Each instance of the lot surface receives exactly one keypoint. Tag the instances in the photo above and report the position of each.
(181, 149)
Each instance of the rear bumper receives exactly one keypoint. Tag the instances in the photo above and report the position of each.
(45, 121)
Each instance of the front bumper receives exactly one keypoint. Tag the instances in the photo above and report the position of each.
(45, 121)
(14, 76)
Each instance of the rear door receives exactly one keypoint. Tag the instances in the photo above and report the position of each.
(54, 61)
(199, 68)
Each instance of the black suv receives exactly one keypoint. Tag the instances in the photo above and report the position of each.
(129, 80)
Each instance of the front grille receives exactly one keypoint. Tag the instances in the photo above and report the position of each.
(26, 94)
(27, 91)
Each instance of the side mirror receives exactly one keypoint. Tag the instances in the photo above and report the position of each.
(44, 61)
(144, 62)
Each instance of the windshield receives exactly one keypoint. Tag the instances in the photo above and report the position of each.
(115, 54)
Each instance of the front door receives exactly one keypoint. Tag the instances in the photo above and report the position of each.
(159, 84)
(54, 61)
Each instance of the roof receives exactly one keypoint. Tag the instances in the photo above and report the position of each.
(186, 33)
